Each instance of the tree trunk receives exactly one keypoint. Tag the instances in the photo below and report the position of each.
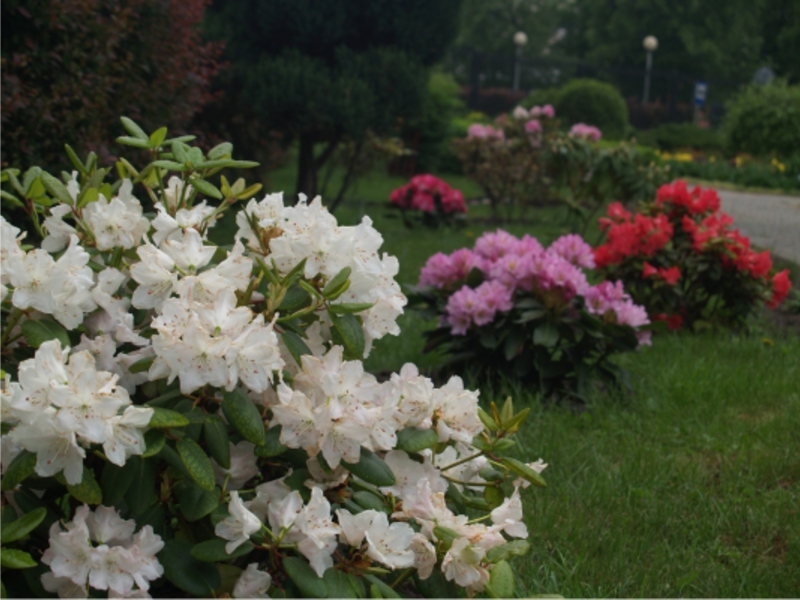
(306, 168)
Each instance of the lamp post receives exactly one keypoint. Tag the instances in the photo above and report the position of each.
(520, 39)
(650, 44)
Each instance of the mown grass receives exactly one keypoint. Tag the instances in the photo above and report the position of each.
(687, 486)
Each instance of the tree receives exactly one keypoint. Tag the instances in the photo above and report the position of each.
(71, 67)
(322, 72)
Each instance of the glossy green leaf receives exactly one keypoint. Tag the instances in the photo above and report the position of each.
(157, 137)
(339, 585)
(73, 158)
(297, 347)
(88, 490)
(154, 440)
(18, 529)
(445, 535)
(242, 413)
(22, 467)
(386, 590)
(304, 577)
(56, 189)
(163, 417)
(116, 481)
(336, 282)
(195, 502)
(196, 578)
(368, 500)
(371, 468)
(43, 330)
(141, 494)
(413, 440)
(213, 550)
(220, 151)
(196, 462)
(501, 581)
(524, 471)
(141, 365)
(215, 435)
(506, 551)
(205, 187)
(126, 140)
(546, 335)
(349, 307)
(132, 128)
(272, 443)
(348, 333)
(11, 558)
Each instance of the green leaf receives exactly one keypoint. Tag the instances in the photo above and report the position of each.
(546, 335)
(31, 175)
(524, 471)
(220, 151)
(18, 529)
(297, 347)
(371, 468)
(249, 191)
(494, 496)
(16, 559)
(272, 443)
(304, 577)
(414, 440)
(214, 550)
(386, 590)
(338, 584)
(116, 481)
(196, 462)
(514, 422)
(205, 187)
(348, 333)
(157, 137)
(165, 418)
(43, 330)
(368, 500)
(349, 307)
(501, 581)
(506, 551)
(11, 199)
(195, 502)
(134, 142)
(445, 535)
(73, 158)
(133, 128)
(215, 435)
(88, 490)
(338, 280)
(141, 365)
(487, 420)
(142, 491)
(169, 164)
(242, 413)
(154, 440)
(196, 578)
(22, 467)
(243, 164)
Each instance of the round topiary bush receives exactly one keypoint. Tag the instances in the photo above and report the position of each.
(764, 119)
(593, 102)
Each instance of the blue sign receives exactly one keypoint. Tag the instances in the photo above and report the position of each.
(700, 91)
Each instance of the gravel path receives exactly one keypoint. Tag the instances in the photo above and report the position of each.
(769, 221)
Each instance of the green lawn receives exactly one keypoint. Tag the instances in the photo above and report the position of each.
(688, 486)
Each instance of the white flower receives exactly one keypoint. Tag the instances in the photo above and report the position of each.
(424, 555)
(463, 564)
(173, 193)
(284, 512)
(156, 276)
(188, 250)
(353, 528)
(58, 232)
(389, 544)
(243, 466)
(239, 526)
(167, 225)
(117, 223)
(456, 410)
(409, 473)
(520, 113)
(107, 527)
(252, 583)
(125, 434)
(55, 446)
(320, 531)
(509, 516)
(70, 553)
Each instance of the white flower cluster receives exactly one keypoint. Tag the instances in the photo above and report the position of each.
(289, 234)
(62, 407)
(119, 561)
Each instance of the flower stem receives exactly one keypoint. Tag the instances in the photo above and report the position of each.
(461, 461)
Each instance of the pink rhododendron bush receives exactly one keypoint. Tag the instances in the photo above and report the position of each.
(430, 199)
(513, 307)
(186, 418)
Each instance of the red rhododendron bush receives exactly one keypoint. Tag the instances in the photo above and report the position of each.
(682, 259)
(182, 418)
(430, 199)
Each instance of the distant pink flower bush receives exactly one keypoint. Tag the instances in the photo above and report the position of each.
(589, 132)
(511, 304)
(476, 130)
(429, 195)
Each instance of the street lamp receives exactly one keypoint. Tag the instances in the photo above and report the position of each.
(650, 44)
(520, 39)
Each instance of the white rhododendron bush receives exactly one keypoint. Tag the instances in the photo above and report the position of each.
(184, 417)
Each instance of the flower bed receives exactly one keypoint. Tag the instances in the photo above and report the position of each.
(181, 418)
(511, 306)
(432, 199)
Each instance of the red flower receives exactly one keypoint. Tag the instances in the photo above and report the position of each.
(780, 288)
(670, 275)
(648, 270)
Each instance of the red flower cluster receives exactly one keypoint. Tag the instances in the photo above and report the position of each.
(686, 227)
(676, 198)
(429, 194)
(640, 236)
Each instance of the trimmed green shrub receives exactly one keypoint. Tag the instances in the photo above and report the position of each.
(674, 136)
(764, 120)
(594, 103)
(442, 101)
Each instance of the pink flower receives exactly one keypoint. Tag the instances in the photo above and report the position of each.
(533, 126)
(575, 250)
(548, 111)
(589, 132)
(494, 245)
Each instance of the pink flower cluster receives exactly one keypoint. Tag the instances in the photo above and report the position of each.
(546, 111)
(476, 130)
(610, 299)
(589, 132)
(518, 267)
(425, 191)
